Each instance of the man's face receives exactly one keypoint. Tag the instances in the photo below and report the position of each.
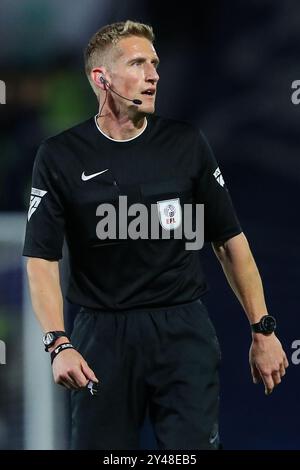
(133, 73)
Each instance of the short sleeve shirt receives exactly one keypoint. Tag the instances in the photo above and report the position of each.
(94, 191)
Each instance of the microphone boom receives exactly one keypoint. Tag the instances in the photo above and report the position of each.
(135, 101)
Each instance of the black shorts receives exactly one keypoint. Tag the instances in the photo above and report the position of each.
(166, 359)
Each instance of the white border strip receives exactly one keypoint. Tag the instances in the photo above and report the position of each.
(119, 140)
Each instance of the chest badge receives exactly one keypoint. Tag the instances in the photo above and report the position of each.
(169, 213)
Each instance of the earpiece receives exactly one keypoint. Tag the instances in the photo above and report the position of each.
(102, 79)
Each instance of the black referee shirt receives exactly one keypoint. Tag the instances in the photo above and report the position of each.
(81, 168)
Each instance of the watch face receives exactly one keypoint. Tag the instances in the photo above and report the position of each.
(268, 323)
(48, 338)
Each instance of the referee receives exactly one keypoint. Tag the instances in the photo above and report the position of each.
(143, 337)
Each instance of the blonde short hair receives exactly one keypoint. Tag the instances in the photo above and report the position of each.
(100, 45)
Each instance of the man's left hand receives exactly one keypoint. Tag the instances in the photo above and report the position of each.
(268, 360)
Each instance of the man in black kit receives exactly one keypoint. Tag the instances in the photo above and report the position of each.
(143, 336)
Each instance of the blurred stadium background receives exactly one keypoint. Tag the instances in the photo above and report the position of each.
(229, 69)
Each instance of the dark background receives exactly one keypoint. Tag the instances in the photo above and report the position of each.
(228, 68)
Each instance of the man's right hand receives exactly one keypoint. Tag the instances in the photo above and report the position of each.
(71, 370)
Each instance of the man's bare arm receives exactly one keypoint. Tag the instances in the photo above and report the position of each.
(267, 358)
(69, 367)
(243, 276)
(46, 295)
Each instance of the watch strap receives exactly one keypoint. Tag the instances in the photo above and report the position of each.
(256, 328)
(56, 335)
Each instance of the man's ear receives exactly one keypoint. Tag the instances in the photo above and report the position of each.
(98, 77)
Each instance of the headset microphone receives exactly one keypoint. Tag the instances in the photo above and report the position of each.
(135, 101)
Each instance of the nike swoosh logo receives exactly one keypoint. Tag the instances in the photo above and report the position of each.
(89, 177)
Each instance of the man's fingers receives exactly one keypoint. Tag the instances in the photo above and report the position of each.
(268, 383)
(255, 374)
(285, 361)
(276, 377)
(78, 379)
(64, 383)
(88, 372)
(282, 370)
(72, 379)
(69, 381)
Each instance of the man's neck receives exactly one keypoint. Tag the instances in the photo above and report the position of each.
(121, 128)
